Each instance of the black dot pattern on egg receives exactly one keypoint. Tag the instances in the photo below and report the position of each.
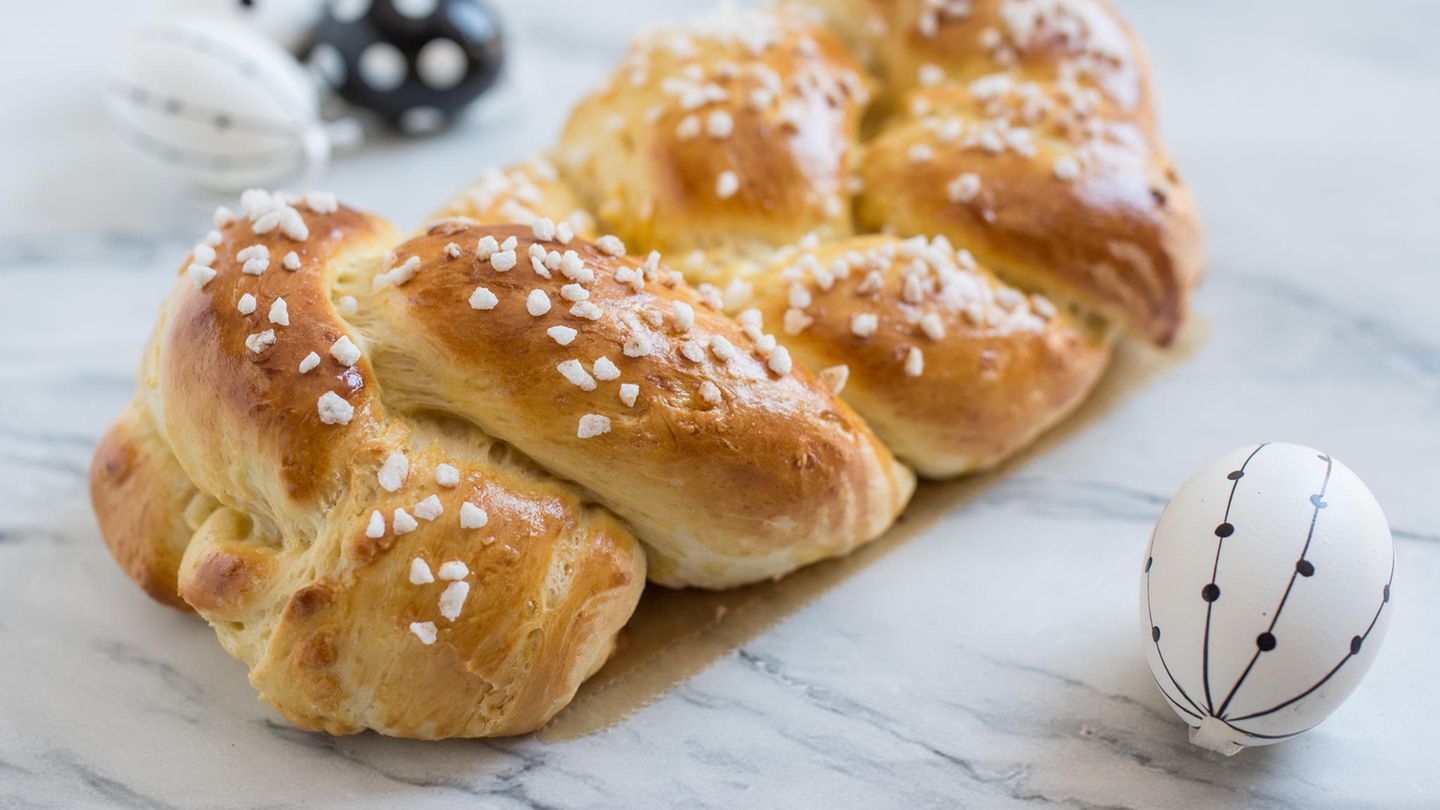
(1216, 695)
(415, 63)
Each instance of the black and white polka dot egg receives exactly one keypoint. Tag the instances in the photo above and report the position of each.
(1265, 594)
(417, 63)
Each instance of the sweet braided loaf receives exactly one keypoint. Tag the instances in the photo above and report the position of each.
(417, 485)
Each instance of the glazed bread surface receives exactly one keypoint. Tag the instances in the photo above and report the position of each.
(778, 260)
(1013, 139)
(1025, 131)
(731, 465)
(734, 134)
(325, 418)
(374, 568)
(954, 369)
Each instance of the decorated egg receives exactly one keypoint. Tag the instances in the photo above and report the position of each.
(218, 101)
(1265, 594)
(416, 63)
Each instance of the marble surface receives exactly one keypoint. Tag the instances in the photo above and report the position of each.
(993, 660)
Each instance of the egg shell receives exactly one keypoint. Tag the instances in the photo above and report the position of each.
(217, 101)
(417, 63)
(1265, 594)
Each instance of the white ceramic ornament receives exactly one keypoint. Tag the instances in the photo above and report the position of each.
(1265, 594)
(218, 101)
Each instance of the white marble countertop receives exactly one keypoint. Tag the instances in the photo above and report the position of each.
(993, 659)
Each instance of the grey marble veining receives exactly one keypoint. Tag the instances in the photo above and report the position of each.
(993, 660)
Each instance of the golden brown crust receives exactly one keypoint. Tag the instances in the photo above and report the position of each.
(521, 193)
(1020, 129)
(736, 133)
(310, 545)
(1119, 237)
(254, 477)
(304, 572)
(728, 470)
(142, 498)
(1044, 105)
(327, 629)
(992, 367)
(211, 387)
(1037, 39)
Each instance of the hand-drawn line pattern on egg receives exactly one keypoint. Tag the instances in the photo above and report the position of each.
(223, 104)
(1252, 534)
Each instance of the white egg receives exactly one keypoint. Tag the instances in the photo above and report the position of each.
(217, 101)
(1265, 594)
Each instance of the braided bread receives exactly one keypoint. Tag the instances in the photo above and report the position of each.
(1018, 130)
(417, 484)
